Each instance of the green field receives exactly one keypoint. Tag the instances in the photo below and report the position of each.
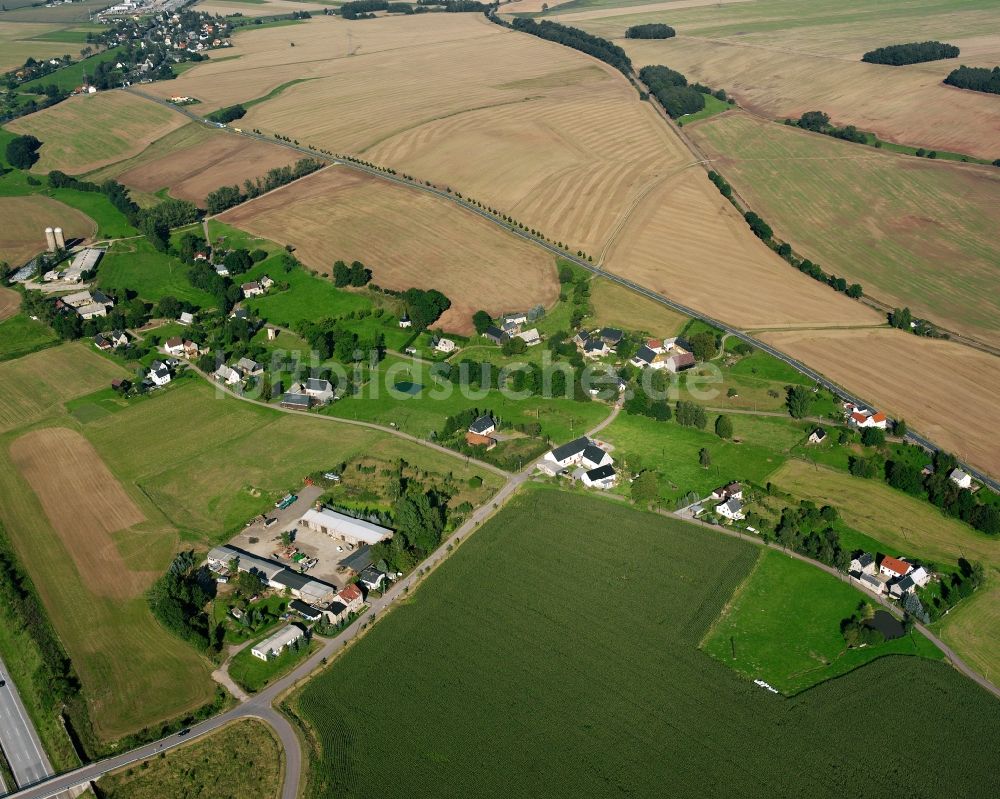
(555, 654)
(713, 106)
(197, 466)
(882, 220)
(20, 335)
(136, 265)
(673, 451)
(218, 766)
(783, 625)
(20, 11)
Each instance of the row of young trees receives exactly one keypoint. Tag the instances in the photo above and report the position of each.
(897, 55)
(228, 196)
(764, 232)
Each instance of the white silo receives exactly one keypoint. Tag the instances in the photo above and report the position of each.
(60, 241)
(50, 239)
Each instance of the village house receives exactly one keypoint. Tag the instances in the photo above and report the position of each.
(252, 289)
(191, 349)
(960, 478)
(186, 318)
(530, 337)
(320, 390)
(495, 334)
(860, 417)
(265, 282)
(444, 345)
(872, 583)
(731, 509)
(249, 367)
(679, 362)
(894, 567)
(159, 373)
(602, 477)
(222, 270)
(111, 340)
(336, 612)
(611, 336)
(174, 346)
(730, 491)
(817, 436)
(341, 527)
(350, 597)
(863, 563)
(92, 310)
(917, 578)
(580, 452)
(226, 374)
(372, 578)
(274, 645)
(483, 426)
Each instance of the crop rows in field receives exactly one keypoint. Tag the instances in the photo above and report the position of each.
(555, 655)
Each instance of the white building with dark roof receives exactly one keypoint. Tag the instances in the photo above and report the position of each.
(342, 527)
(271, 647)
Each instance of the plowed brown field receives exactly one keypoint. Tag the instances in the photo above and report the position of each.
(85, 504)
(24, 219)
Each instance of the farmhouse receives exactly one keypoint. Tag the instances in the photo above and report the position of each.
(960, 478)
(350, 597)
(595, 348)
(817, 436)
(732, 508)
(273, 646)
(227, 375)
(872, 583)
(611, 336)
(483, 426)
(92, 310)
(476, 440)
(530, 337)
(159, 373)
(319, 390)
(858, 416)
(299, 402)
(336, 612)
(222, 270)
(495, 334)
(731, 491)
(581, 451)
(680, 362)
(345, 528)
(249, 367)
(372, 578)
(111, 340)
(444, 345)
(894, 567)
(191, 349)
(513, 319)
(252, 289)
(602, 477)
(646, 357)
(174, 346)
(863, 563)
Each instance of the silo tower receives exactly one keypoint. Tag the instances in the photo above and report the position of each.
(50, 239)
(60, 241)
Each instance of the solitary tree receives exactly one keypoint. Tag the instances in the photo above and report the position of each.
(704, 458)
(481, 320)
(724, 427)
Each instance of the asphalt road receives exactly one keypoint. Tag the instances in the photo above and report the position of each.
(18, 738)
(590, 267)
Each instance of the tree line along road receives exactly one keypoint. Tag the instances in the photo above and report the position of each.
(596, 269)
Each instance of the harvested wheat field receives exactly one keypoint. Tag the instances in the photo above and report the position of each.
(408, 238)
(10, 301)
(946, 391)
(87, 132)
(85, 505)
(22, 233)
(913, 232)
(780, 58)
(688, 243)
(222, 159)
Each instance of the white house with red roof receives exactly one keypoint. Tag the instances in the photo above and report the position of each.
(863, 417)
(894, 567)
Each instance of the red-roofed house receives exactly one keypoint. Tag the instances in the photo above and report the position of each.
(351, 596)
(894, 567)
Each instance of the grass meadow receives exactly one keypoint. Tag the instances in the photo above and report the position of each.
(253, 674)
(135, 264)
(197, 467)
(20, 335)
(240, 760)
(555, 654)
(783, 626)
